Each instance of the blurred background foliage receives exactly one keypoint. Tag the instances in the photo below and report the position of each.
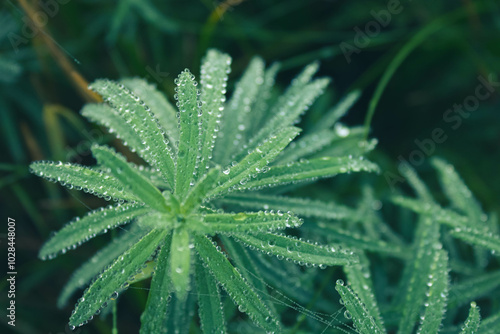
(43, 73)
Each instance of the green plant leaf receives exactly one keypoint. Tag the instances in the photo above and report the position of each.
(235, 285)
(156, 150)
(305, 146)
(337, 112)
(288, 111)
(189, 119)
(414, 280)
(180, 261)
(242, 222)
(437, 294)
(484, 239)
(356, 240)
(251, 272)
(79, 230)
(297, 250)
(198, 192)
(473, 288)
(154, 315)
(255, 162)
(456, 190)
(108, 117)
(130, 178)
(214, 71)
(443, 216)
(301, 206)
(82, 178)
(261, 106)
(359, 278)
(164, 111)
(110, 282)
(490, 325)
(99, 262)
(211, 313)
(238, 112)
(471, 325)
(306, 171)
(357, 311)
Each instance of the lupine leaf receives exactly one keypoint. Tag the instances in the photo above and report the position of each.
(356, 240)
(274, 275)
(437, 294)
(260, 108)
(337, 112)
(154, 315)
(238, 111)
(189, 120)
(98, 263)
(357, 311)
(235, 285)
(80, 177)
(261, 221)
(471, 325)
(180, 313)
(108, 117)
(95, 222)
(439, 214)
(456, 190)
(473, 288)
(415, 182)
(180, 261)
(255, 162)
(305, 146)
(289, 112)
(110, 282)
(164, 111)
(307, 170)
(251, 272)
(214, 71)
(300, 206)
(156, 150)
(130, 178)
(358, 276)
(483, 239)
(298, 250)
(210, 307)
(426, 242)
(490, 325)
(198, 192)
(153, 175)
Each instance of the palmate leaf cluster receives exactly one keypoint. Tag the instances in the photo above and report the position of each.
(206, 156)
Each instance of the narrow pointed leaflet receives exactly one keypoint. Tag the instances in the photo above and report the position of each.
(130, 179)
(298, 250)
(214, 71)
(82, 178)
(80, 230)
(156, 149)
(110, 282)
(235, 285)
(189, 138)
(153, 317)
